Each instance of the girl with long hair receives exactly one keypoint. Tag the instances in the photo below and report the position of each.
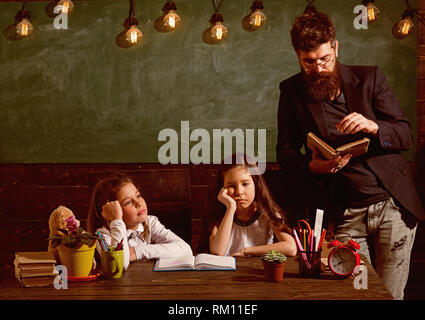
(250, 219)
(118, 211)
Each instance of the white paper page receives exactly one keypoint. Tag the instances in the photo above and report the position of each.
(170, 263)
(214, 260)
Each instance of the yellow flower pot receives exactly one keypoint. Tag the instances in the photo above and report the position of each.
(78, 261)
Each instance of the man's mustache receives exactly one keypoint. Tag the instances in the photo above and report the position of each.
(316, 76)
(323, 85)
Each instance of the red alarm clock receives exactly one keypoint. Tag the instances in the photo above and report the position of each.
(344, 258)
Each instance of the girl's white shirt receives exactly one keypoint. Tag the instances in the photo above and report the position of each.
(161, 242)
(256, 234)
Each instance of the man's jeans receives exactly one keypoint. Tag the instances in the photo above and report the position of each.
(386, 235)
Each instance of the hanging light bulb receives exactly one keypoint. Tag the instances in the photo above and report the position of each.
(171, 19)
(257, 19)
(133, 35)
(405, 26)
(218, 32)
(372, 11)
(24, 28)
(67, 6)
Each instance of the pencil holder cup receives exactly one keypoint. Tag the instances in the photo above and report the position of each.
(112, 262)
(310, 263)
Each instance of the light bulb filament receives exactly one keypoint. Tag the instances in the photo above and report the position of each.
(257, 21)
(172, 22)
(219, 33)
(371, 13)
(24, 29)
(65, 7)
(133, 36)
(405, 28)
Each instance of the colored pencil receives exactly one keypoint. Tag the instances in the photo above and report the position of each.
(103, 242)
(100, 241)
(322, 238)
(297, 241)
(119, 246)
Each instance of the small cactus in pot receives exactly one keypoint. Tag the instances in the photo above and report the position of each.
(274, 256)
(274, 264)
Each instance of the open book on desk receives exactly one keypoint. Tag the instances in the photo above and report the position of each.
(356, 148)
(202, 261)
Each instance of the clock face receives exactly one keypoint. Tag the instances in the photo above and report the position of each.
(342, 261)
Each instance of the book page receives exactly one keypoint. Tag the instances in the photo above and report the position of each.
(32, 273)
(210, 261)
(37, 281)
(35, 257)
(356, 148)
(37, 266)
(186, 262)
(326, 150)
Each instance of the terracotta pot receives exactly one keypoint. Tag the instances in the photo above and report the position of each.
(78, 261)
(273, 271)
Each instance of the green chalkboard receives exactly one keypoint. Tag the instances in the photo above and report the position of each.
(75, 96)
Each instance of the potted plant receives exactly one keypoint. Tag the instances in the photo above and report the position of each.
(274, 265)
(76, 248)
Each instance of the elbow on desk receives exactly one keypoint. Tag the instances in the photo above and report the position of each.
(288, 247)
(292, 248)
(292, 252)
(217, 252)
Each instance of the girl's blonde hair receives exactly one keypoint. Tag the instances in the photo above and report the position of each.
(106, 190)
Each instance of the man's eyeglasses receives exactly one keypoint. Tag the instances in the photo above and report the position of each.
(324, 63)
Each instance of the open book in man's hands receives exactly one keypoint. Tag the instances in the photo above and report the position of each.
(202, 261)
(355, 148)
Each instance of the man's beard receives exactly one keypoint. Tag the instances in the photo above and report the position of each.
(322, 86)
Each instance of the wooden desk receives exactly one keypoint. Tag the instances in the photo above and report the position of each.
(247, 283)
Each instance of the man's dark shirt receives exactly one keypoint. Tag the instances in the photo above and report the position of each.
(355, 185)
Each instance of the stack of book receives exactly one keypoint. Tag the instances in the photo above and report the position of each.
(35, 269)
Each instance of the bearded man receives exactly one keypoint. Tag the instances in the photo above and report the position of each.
(375, 192)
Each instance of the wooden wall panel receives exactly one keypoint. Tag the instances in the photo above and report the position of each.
(44, 175)
(420, 119)
(30, 202)
(199, 201)
(24, 236)
(30, 192)
(421, 86)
